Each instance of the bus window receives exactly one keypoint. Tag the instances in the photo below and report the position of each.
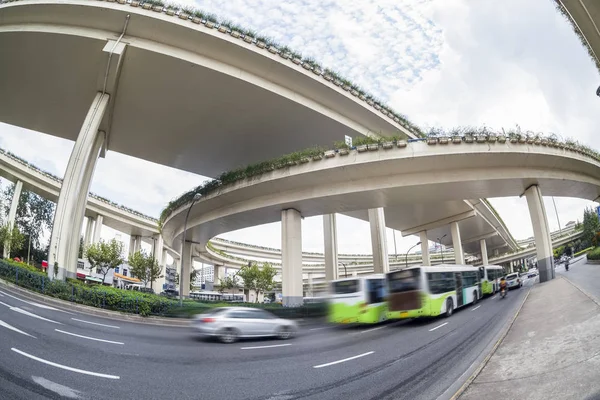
(404, 281)
(345, 287)
(469, 279)
(375, 290)
(441, 282)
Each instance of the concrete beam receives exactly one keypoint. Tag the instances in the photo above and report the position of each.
(330, 247)
(12, 214)
(291, 257)
(436, 224)
(381, 262)
(480, 237)
(459, 257)
(541, 232)
(424, 248)
(75, 184)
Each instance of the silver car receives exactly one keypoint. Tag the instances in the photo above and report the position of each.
(228, 324)
(513, 281)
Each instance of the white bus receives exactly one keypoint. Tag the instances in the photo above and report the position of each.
(490, 278)
(431, 291)
(357, 300)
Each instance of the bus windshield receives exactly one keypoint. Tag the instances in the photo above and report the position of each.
(346, 287)
(404, 280)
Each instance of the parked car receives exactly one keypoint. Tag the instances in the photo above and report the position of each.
(513, 281)
(532, 273)
(228, 324)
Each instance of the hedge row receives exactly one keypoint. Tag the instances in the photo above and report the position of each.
(594, 254)
(582, 252)
(144, 304)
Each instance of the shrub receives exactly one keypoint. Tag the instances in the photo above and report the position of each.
(582, 252)
(594, 254)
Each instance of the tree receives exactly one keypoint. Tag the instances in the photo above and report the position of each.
(591, 225)
(104, 256)
(81, 246)
(193, 277)
(228, 283)
(34, 217)
(144, 267)
(257, 279)
(11, 237)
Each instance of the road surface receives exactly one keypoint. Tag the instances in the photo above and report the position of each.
(46, 352)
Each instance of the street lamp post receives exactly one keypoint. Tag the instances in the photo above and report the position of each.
(345, 270)
(406, 259)
(440, 242)
(194, 200)
(395, 248)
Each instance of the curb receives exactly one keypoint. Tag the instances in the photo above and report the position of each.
(591, 296)
(474, 375)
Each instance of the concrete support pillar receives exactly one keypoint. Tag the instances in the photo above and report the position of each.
(541, 233)
(98, 229)
(331, 248)
(132, 244)
(459, 257)
(424, 248)
(186, 268)
(89, 231)
(381, 263)
(291, 257)
(68, 217)
(159, 253)
(12, 214)
(484, 255)
(219, 274)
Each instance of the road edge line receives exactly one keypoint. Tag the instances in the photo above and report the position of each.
(474, 375)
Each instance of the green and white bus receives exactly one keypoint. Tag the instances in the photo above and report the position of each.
(431, 291)
(490, 279)
(357, 300)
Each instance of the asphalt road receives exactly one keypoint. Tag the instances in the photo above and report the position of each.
(46, 352)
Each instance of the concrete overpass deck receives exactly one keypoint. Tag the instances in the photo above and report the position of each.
(176, 74)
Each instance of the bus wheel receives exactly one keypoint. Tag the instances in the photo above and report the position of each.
(449, 307)
(475, 299)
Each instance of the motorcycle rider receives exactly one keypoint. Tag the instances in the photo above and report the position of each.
(503, 285)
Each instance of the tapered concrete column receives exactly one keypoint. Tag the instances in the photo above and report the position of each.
(132, 244)
(291, 257)
(186, 268)
(424, 248)
(68, 217)
(381, 263)
(541, 232)
(89, 231)
(459, 257)
(331, 248)
(158, 251)
(484, 255)
(98, 229)
(219, 274)
(12, 214)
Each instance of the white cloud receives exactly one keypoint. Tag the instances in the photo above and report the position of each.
(444, 63)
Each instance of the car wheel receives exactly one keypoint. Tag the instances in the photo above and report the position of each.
(475, 299)
(228, 335)
(449, 307)
(285, 332)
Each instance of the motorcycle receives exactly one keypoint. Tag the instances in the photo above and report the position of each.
(502, 293)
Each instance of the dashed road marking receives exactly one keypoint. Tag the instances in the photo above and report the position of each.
(265, 347)
(437, 327)
(344, 360)
(95, 323)
(87, 337)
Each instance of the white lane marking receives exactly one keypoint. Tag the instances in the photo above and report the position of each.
(344, 360)
(5, 305)
(63, 391)
(1, 295)
(87, 337)
(20, 311)
(437, 327)
(372, 329)
(493, 297)
(473, 309)
(81, 371)
(265, 347)
(318, 329)
(34, 304)
(95, 323)
(12, 328)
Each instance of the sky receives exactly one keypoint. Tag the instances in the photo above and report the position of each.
(442, 63)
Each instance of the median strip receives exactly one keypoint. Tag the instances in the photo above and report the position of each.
(344, 360)
(53, 364)
(87, 337)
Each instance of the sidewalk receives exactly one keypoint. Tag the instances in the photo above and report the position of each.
(552, 351)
